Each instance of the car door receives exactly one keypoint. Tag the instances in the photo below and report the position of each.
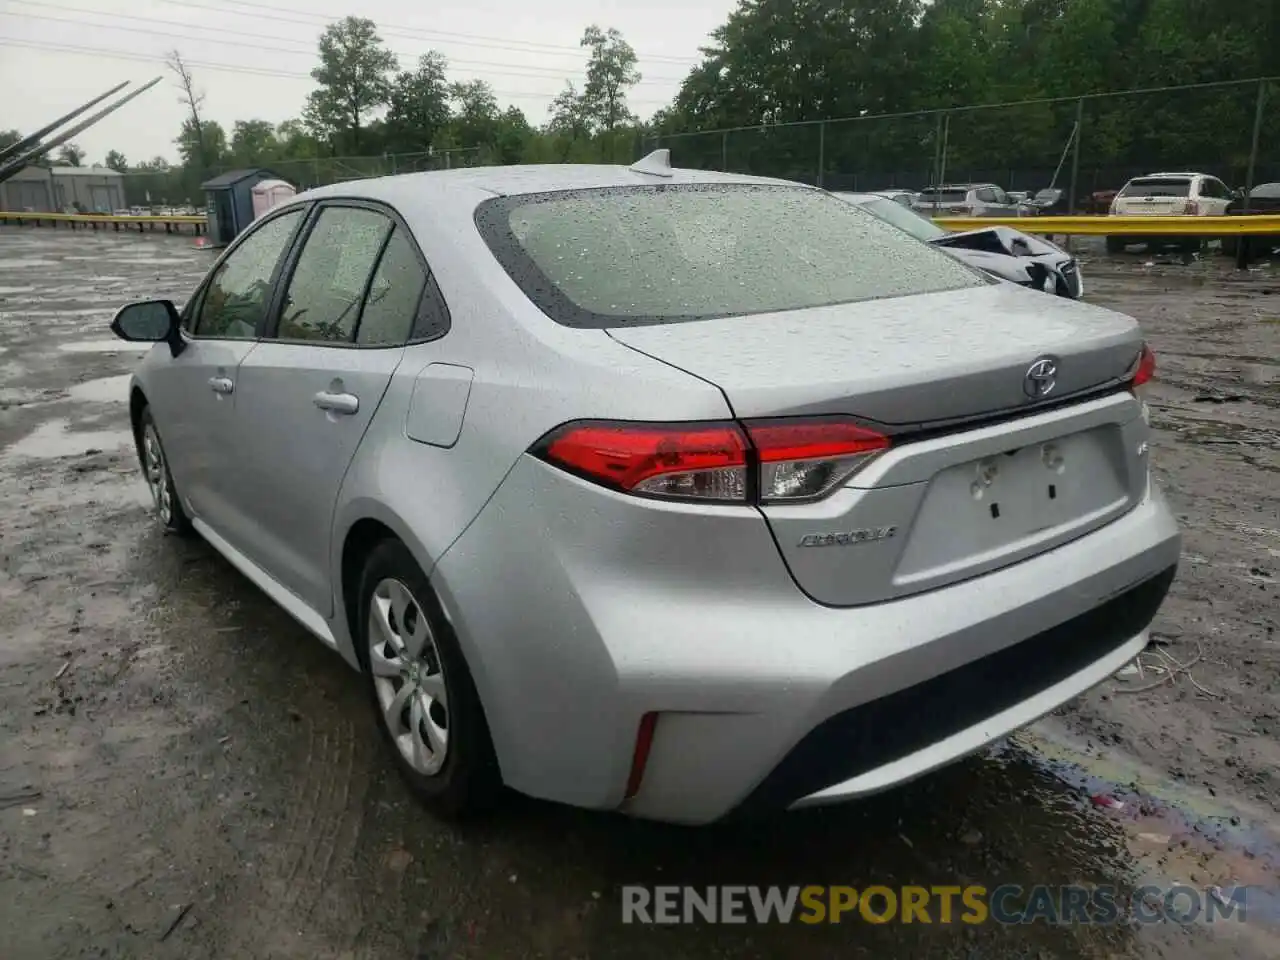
(308, 392)
(984, 201)
(192, 395)
(1218, 196)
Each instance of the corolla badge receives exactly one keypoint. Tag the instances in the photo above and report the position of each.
(1041, 377)
(844, 539)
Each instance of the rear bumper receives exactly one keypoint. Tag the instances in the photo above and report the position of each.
(580, 611)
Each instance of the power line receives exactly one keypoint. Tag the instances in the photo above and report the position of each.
(465, 39)
(248, 71)
(471, 65)
(518, 70)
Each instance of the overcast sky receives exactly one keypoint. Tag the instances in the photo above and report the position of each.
(252, 60)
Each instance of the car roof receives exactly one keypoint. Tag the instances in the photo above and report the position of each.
(1171, 173)
(480, 183)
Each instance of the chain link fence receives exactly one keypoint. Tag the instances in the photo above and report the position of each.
(1085, 145)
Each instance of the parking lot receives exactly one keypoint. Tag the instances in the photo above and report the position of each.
(184, 772)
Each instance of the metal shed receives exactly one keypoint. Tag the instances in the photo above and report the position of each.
(229, 201)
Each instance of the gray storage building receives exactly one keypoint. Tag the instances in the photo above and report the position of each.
(63, 190)
(229, 202)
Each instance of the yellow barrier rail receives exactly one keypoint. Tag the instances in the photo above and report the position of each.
(94, 221)
(1244, 225)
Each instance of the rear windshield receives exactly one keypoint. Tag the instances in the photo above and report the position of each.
(1157, 187)
(676, 252)
(903, 218)
(944, 196)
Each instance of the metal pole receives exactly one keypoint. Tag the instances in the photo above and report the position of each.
(937, 151)
(1253, 148)
(724, 152)
(822, 151)
(1075, 159)
(942, 159)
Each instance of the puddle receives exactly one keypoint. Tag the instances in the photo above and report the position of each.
(105, 390)
(103, 346)
(1174, 830)
(51, 440)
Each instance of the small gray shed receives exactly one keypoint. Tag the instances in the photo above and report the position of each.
(229, 202)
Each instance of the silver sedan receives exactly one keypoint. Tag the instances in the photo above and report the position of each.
(677, 493)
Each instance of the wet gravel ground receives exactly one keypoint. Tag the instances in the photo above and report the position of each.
(185, 773)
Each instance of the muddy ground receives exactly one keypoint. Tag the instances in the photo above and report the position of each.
(185, 773)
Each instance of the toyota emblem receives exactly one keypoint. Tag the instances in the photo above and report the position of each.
(1041, 377)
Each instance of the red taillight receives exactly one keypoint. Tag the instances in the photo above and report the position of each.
(804, 460)
(703, 461)
(773, 460)
(1145, 367)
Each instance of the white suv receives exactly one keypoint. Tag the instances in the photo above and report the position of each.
(1169, 195)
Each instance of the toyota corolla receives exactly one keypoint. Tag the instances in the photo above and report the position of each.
(678, 493)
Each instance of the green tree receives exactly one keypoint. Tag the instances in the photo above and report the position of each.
(353, 80)
(253, 142)
(70, 155)
(296, 141)
(475, 113)
(611, 72)
(202, 146)
(116, 161)
(419, 105)
(9, 137)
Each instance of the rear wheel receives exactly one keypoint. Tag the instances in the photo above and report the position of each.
(155, 470)
(1115, 244)
(425, 701)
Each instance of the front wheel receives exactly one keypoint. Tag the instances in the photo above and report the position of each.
(155, 470)
(427, 707)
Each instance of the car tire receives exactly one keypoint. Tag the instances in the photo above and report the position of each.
(1115, 244)
(423, 697)
(167, 506)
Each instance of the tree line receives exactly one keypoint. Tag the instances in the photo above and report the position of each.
(776, 62)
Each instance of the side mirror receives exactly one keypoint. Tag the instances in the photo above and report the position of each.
(149, 321)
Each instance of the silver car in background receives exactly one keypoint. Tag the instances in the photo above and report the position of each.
(678, 493)
(968, 200)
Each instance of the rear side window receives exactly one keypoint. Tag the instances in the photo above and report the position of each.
(944, 196)
(328, 284)
(672, 253)
(1157, 187)
(394, 294)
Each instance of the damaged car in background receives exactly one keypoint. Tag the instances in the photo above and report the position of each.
(1007, 253)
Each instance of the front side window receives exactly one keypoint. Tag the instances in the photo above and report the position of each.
(323, 298)
(665, 254)
(236, 298)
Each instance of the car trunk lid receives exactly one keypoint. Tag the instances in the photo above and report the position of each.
(1155, 197)
(950, 499)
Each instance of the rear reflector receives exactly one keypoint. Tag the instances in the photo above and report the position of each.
(640, 758)
(789, 460)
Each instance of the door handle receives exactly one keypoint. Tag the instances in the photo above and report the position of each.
(221, 384)
(344, 403)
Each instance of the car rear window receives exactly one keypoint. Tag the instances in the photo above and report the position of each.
(1157, 187)
(681, 252)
